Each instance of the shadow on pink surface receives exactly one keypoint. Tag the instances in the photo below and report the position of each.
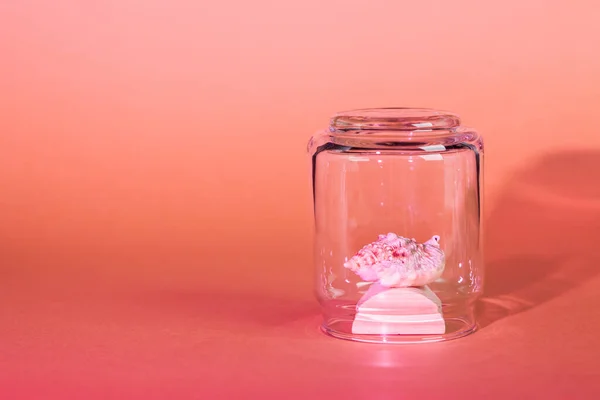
(542, 238)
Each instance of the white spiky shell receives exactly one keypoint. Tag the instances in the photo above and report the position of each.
(396, 261)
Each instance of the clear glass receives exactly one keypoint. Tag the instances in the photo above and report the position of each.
(415, 173)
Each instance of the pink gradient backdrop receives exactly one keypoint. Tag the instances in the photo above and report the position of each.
(155, 217)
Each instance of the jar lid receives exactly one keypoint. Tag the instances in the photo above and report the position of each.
(399, 127)
(394, 119)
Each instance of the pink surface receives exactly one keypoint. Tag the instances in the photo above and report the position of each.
(171, 334)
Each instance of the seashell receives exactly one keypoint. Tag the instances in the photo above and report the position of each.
(395, 261)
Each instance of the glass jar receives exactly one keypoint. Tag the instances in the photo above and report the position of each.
(398, 233)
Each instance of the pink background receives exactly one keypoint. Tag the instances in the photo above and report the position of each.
(155, 217)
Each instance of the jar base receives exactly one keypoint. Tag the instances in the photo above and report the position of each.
(455, 328)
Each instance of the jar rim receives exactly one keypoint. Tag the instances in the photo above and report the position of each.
(394, 119)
